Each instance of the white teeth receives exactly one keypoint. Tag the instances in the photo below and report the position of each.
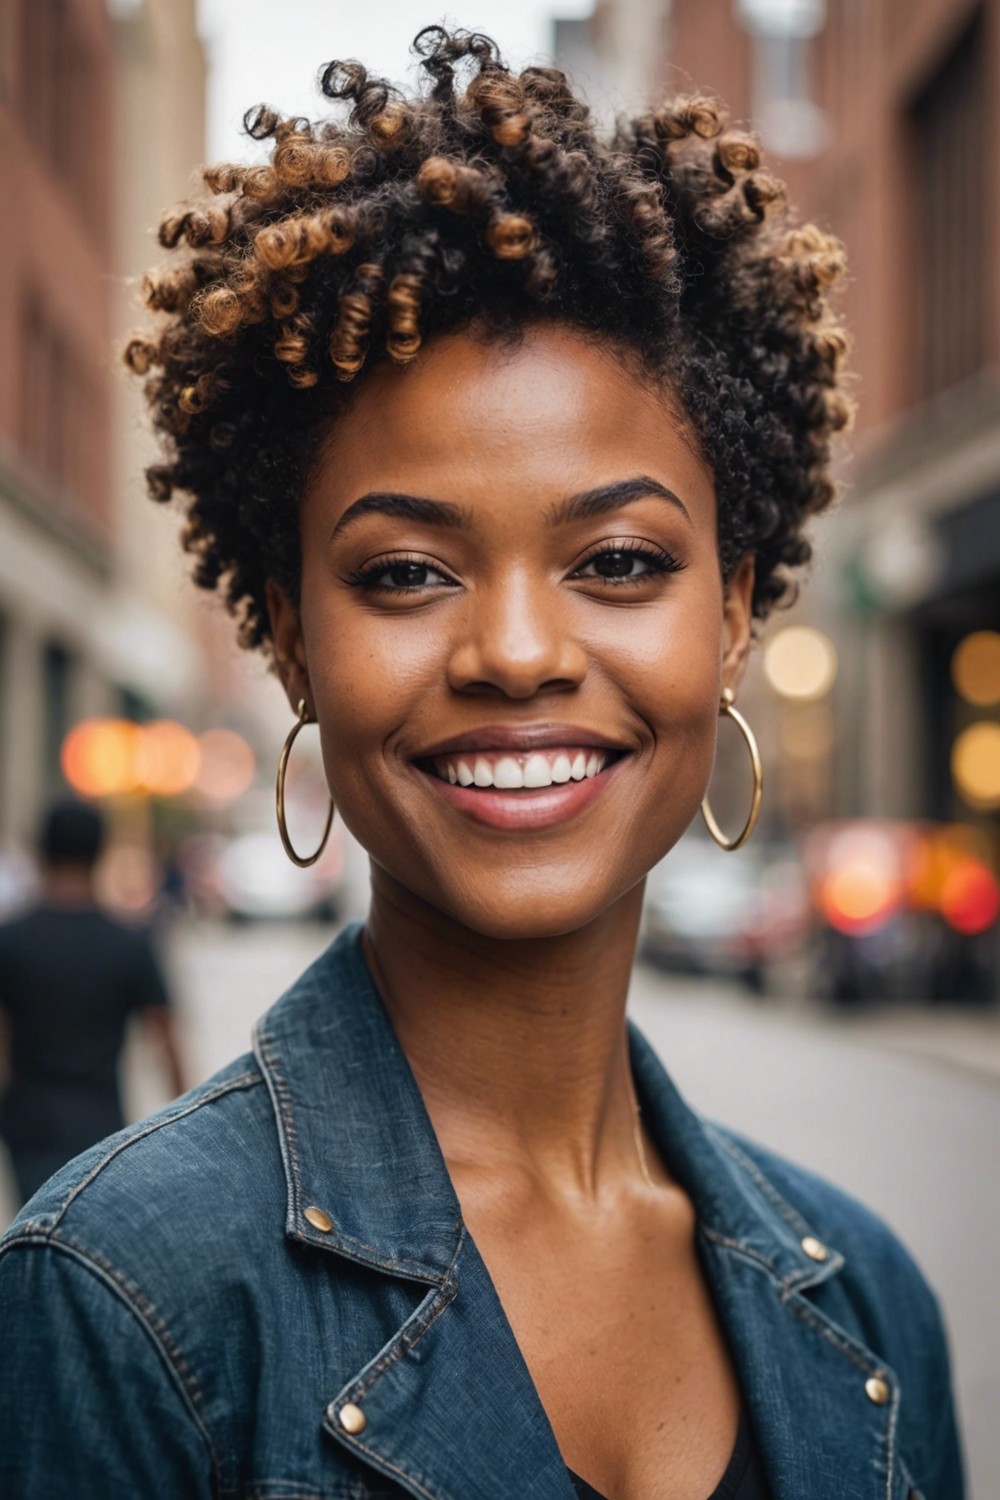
(537, 771)
(507, 774)
(561, 768)
(514, 772)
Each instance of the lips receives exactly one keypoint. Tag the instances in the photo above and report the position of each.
(524, 778)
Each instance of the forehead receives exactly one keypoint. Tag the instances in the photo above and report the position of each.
(553, 411)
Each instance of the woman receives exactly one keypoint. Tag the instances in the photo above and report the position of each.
(497, 439)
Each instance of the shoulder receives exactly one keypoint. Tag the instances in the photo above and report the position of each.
(132, 1208)
(879, 1292)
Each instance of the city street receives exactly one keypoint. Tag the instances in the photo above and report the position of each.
(868, 1101)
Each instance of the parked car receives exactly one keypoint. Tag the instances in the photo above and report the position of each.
(256, 881)
(902, 911)
(735, 915)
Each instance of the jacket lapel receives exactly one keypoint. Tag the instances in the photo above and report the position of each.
(451, 1410)
(448, 1409)
(804, 1378)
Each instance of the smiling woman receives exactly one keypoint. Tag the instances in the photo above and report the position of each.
(496, 437)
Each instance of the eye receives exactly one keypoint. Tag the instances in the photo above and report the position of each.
(399, 575)
(631, 562)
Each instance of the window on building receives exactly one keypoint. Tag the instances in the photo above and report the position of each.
(58, 405)
(951, 139)
(61, 99)
(57, 678)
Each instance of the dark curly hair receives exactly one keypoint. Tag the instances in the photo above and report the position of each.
(485, 202)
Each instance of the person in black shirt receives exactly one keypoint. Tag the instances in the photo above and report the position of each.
(70, 978)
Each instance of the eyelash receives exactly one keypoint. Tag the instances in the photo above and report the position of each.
(660, 562)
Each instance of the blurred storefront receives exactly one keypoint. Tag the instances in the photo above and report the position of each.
(101, 126)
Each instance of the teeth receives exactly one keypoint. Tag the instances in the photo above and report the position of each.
(537, 771)
(507, 774)
(513, 772)
(561, 768)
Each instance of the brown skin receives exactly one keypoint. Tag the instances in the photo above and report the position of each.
(504, 957)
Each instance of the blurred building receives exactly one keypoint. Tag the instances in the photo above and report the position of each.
(101, 121)
(56, 513)
(880, 115)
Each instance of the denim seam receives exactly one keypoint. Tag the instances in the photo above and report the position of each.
(413, 1331)
(145, 1313)
(243, 1080)
(858, 1356)
(368, 1254)
(787, 1212)
(890, 1439)
(741, 1249)
(408, 1336)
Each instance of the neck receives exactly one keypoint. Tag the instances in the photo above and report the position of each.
(519, 1046)
(68, 885)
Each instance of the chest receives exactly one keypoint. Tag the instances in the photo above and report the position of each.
(625, 1349)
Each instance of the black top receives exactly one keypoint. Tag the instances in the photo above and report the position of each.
(744, 1478)
(69, 979)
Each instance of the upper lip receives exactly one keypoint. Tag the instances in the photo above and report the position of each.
(519, 739)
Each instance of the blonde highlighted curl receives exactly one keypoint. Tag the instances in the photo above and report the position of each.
(486, 200)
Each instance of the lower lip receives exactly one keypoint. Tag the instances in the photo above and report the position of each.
(524, 810)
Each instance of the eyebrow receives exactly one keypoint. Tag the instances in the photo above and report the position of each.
(582, 507)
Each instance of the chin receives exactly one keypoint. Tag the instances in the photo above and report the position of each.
(527, 911)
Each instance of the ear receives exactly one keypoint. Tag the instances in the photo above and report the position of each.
(737, 620)
(289, 647)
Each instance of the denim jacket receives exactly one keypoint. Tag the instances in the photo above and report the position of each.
(266, 1290)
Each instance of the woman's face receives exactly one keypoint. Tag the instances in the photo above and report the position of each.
(510, 577)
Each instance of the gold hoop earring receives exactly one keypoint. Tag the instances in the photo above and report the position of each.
(279, 796)
(726, 707)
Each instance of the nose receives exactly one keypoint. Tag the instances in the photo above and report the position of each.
(516, 640)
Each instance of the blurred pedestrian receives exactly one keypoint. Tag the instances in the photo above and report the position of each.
(70, 978)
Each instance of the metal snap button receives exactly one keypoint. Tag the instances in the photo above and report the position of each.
(814, 1248)
(318, 1218)
(877, 1390)
(352, 1419)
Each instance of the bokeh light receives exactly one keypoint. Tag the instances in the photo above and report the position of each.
(970, 897)
(114, 757)
(975, 668)
(863, 885)
(975, 764)
(98, 757)
(800, 663)
(167, 758)
(227, 766)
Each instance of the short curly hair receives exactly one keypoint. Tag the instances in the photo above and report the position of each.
(486, 201)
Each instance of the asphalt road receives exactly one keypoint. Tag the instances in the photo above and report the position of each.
(903, 1111)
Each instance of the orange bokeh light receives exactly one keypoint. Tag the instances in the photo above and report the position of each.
(227, 765)
(98, 757)
(113, 757)
(858, 897)
(970, 898)
(166, 760)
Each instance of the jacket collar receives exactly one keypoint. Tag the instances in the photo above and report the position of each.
(356, 1140)
(358, 1146)
(357, 1143)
